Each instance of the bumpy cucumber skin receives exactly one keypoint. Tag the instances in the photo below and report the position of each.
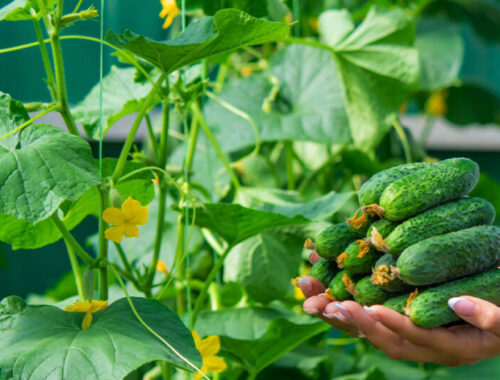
(430, 308)
(370, 294)
(372, 189)
(356, 265)
(337, 287)
(324, 270)
(428, 187)
(384, 226)
(397, 303)
(442, 219)
(446, 257)
(396, 285)
(362, 230)
(332, 241)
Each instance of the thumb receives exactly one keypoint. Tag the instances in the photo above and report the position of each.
(477, 312)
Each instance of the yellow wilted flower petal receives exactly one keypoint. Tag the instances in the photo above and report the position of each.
(169, 10)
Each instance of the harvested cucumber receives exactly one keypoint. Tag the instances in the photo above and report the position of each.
(428, 187)
(359, 257)
(448, 217)
(446, 257)
(384, 277)
(360, 222)
(397, 303)
(430, 308)
(341, 286)
(372, 189)
(332, 241)
(384, 227)
(366, 293)
(324, 270)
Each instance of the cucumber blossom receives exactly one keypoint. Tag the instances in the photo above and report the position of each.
(359, 257)
(360, 222)
(366, 293)
(438, 183)
(453, 255)
(332, 241)
(384, 275)
(372, 189)
(430, 308)
(341, 286)
(442, 219)
(384, 227)
(324, 270)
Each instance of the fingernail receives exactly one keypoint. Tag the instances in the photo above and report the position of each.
(329, 316)
(361, 335)
(340, 306)
(311, 311)
(369, 309)
(462, 306)
(305, 284)
(342, 314)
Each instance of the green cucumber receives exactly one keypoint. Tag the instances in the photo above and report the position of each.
(332, 241)
(366, 293)
(372, 189)
(337, 289)
(359, 257)
(324, 270)
(383, 226)
(384, 277)
(446, 257)
(428, 187)
(430, 308)
(397, 303)
(448, 217)
(360, 222)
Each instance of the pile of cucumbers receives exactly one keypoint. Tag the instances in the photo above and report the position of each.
(417, 241)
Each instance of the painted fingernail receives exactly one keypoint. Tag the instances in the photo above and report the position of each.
(340, 306)
(305, 284)
(311, 311)
(462, 306)
(369, 309)
(329, 316)
(342, 314)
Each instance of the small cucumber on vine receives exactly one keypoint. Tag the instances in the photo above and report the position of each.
(442, 219)
(446, 257)
(359, 257)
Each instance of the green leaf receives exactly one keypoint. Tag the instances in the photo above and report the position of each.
(45, 342)
(229, 29)
(441, 52)
(47, 167)
(309, 105)
(12, 115)
(265, 264)
(334, 26)
(258, 336)
(276, 9)
(373, 373)
(378, 66)
(235, 223)
(485, 369)
(20, 9)
(122, 95)
(393, 369)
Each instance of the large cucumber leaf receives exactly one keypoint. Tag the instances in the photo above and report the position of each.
(258, 336)
(229, 29)
(235, 223)
(41, 167)
(378, 66)
(20, 9)
(46, 342)
(309, 105)
(122, 95)
(12, 115)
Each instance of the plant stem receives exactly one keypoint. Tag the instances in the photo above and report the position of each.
(210, 278)
(216, 146)
(404, 141)
(289, 165)
(57, 56)
(103, 245)
(152, 136)
(76, 271)
(25, 124)
(426, 131)
(45, 59)
(213, 292)
(70, 240)
(193, 138)
(133, 131)
(123, 258)
(179, 261)
(296, 17)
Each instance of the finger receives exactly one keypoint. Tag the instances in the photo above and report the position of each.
(313, 257)
(477, 312)
(330, 316)
(315, 305)
(310, 286)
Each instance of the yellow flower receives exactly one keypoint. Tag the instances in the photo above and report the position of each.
(161, 267)
(436, 104)
(125, 220)
(169, 11)
(208, 347)
(88, 308)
